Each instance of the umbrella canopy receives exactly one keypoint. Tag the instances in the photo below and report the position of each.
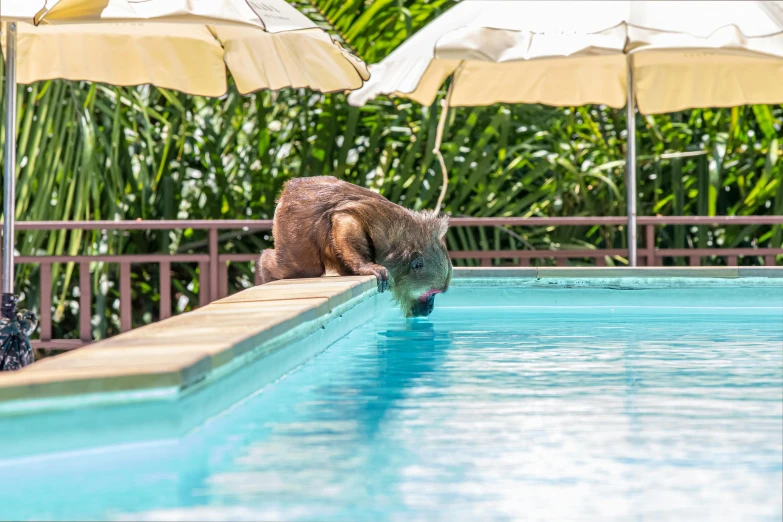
(684, 54)
(188, 47)
(664, 56)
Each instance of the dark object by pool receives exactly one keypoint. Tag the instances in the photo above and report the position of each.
(15, 330)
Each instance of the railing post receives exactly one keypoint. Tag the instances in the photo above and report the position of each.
(165, 290)
(256, 275)
(649, 243)
(222, 279)
(213, 264)
(85, 302)
(203, 283)
(45, 326)
(126, 315)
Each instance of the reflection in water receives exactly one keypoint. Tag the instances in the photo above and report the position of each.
(336, 428)
(404, 354)
(470, 414)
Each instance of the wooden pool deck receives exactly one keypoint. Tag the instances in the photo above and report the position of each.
(184, 350)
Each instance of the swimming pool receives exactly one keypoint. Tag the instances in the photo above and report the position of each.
(562, 399)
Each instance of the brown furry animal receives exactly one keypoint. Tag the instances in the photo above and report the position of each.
(324, 224)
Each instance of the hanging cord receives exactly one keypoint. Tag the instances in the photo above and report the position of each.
(444, 103)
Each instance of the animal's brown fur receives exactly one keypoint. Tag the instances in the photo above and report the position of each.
(324, 224)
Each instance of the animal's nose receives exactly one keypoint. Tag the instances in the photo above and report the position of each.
(425, 307)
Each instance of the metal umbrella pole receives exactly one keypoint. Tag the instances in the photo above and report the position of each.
(630, 166)
(15, 327)
(10, 166)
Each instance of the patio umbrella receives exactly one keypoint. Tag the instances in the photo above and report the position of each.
(185, 45)
(663, 56)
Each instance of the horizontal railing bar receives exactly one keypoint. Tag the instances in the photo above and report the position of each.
(710, 220)
(676, 252)
(130, 258)
(238, 257)
(266, 224)
(641, 220)
(537, 221)
(458, 254)
(532, 254)
(665, 252)
(57, 344)
(198, 224)
(483, 254)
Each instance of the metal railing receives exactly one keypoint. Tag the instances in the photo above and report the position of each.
(213, 265)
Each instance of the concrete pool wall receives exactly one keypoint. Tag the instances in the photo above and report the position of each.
(184, 352)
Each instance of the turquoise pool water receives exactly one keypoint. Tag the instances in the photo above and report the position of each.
(505, 404)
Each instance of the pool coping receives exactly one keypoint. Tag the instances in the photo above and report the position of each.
(180, 352)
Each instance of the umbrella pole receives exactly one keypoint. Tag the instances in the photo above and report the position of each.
(630, 167)
(10, 169)
(15, 326)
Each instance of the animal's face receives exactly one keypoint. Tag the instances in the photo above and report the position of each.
(419, 275)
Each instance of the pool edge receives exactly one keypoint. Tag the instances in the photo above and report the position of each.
(163, 360)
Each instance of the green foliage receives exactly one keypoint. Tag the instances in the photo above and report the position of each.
(97, 152)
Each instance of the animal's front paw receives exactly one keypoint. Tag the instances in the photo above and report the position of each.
(383, 279)
(381, 274)
(383, 284)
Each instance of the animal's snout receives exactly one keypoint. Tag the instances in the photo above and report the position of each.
(424, 306)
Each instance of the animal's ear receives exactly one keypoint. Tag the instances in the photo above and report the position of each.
(442, 228)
